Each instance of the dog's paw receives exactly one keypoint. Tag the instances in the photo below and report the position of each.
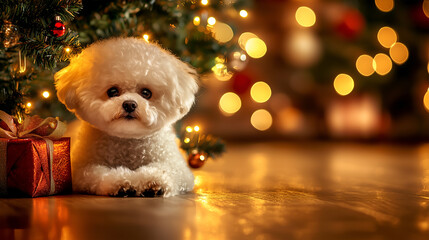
(154, 191)
(124, 192)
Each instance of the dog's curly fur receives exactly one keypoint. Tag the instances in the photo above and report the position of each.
(117, 151)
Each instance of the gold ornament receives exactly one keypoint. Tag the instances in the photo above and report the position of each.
(9, 34)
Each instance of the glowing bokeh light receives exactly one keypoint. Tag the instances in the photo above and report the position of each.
(343, 84)
(243, 13)
(46, 94)
(29, 104)
(385, 5)
(387, 37)
(146, 37)
(222, 32)
(426, 100)
(305, 16)
(383, 64)
(196, 128)
(197, 21)
(189, 129)
(399, 53)
(204, 2)
(211, 21)
(256, 48)
(67, 49)
(261, 119)
(186, 140)
(244, 37)
(229, 103)
(260, 92)
(364, 65)
(426, 7)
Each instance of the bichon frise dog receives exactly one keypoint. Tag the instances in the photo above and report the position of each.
(128, 93)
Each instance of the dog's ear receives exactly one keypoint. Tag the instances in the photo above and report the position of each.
(188, 86)
(66, 83)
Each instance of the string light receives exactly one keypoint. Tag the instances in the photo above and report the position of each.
(261, 120)
(28, 104)
(211, 21)
(365, 65)
(67, 49)
(343, 84)
(189, 129)
(46, 94)
(399, 53)
(383, 64)
(197, 21)
(196, 128)
(260, 92)
(305, 16)
(186, 140)
(385, 5)
(387, 37)
(229, 103)
(204, 2)
(243, 13)
(256, 48)
(146, 37)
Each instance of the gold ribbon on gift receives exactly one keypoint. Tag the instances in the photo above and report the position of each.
(47, 129)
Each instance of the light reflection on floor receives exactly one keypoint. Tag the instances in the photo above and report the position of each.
(255, 191)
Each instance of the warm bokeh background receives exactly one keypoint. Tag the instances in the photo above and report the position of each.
(333, 69)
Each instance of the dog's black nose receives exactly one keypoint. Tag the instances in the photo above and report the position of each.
(129, 106)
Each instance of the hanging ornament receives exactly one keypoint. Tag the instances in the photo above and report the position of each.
(351, 24)
(9, 34)
(196, 159)
(58, 28)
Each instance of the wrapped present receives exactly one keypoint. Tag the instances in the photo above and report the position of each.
(34, 159)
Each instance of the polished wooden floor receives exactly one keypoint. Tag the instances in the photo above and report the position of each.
(255, 191)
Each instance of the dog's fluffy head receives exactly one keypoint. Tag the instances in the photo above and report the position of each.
(126, 87)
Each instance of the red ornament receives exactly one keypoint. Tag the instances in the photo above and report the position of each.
(58, 28)
(351, 24)
(196, 160)
(241, 83)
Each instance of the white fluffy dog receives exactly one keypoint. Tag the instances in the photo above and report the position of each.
(128, 94)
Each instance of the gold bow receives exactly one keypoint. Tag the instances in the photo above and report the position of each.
(32, 126)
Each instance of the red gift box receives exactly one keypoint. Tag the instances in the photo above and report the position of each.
(26, 170)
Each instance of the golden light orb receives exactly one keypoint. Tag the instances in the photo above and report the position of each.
(204, 2)
(146, 37)
(425, 7)
(29, 104)
(387, 37)
(260, 92)
(243, 13)
(426, 100)
(196, 128)
(211, 21)
(67, 49)
(305, 16)
(189, 129)
(364, 65)
(229, 103)
(256, 48)
(202, 158)
(343, 84)
(222, 32)
(186, 140)
(197, 21)
(244, 37)
(261, 120)
(46, 94)
(385, 5)
(399, 53)
(383, 64)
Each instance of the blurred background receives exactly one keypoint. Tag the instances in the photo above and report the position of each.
(277, 69)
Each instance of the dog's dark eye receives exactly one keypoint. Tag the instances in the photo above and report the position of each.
(146, 93)
(113, 92)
